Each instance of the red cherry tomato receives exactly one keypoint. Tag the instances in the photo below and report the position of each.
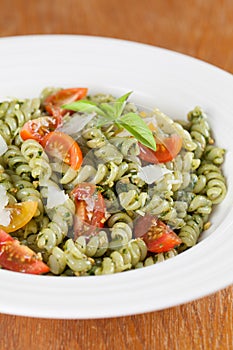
(63, 146)
(19, 258)
(158, 236)
(36, 129)
(90, 209)
(55, 101)
(166, 150)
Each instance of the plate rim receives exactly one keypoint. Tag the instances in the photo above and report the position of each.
(129, 311)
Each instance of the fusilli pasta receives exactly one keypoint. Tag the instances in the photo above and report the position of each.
(88, 215)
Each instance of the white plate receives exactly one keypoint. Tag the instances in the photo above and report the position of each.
(173, 82)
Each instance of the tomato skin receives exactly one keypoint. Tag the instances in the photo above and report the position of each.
(158, 236)
(19, 258)
(4, 237)
(21, 214)
(58, 143)
(99, 212)
(166, 150)
(36, 129)
(55, 101)
(83, 191)
(90, 209)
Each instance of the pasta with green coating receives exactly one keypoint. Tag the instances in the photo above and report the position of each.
(87, 216)
(14, 114)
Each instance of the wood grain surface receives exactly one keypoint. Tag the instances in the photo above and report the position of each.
(200, 28)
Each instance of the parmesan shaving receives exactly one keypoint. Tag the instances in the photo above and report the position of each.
(3, 146)
(5, 218)
(151, 173)
(76, 123)
(56, 196)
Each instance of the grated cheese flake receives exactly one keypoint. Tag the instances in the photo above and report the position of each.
(5, 218)
(3, 146)
(153, 172)
(56, 196)
(76, 123)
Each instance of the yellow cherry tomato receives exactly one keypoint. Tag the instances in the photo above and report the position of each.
(20, 214)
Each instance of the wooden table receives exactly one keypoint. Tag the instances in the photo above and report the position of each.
(200, 28)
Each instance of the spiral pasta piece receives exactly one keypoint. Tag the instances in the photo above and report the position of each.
(199, 130)
(121, 234)
(75, 259)
(157, 258)
(156, 205)
(197, 183)
(57, 261)
(214, 154)
(182, 166)
(132, 200)
(162, 205)
(113, 264)
(5, 179)
(200, 204)
(61, 219)
(37, 159)
(101, 98)
(124, 259)
(215, 188)
(27, 191)
(7, 183)
(76, 254)
(127, 146)
(103, 150)
(108, 153)
(103, 174)
(120, 217)
(167, 125)
(14, 114)
(94, 136)
(181, 209)
(94, 246)
(190, 232)
(70, 256)
(16, 161)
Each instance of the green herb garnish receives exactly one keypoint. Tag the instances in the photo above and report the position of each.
(112, 112)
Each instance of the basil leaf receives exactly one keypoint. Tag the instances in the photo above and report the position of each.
(115, 109)
(108, 108)
(84, 106)
(119, 104)
(101, 121)
(134, 124)
(123, 98)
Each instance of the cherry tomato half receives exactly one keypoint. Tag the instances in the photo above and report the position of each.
(19, 258)
(36, 129)
(21, 214)
(158, 236)
(90, 209)
(63, 146)
(55, 101)
(166, 150)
